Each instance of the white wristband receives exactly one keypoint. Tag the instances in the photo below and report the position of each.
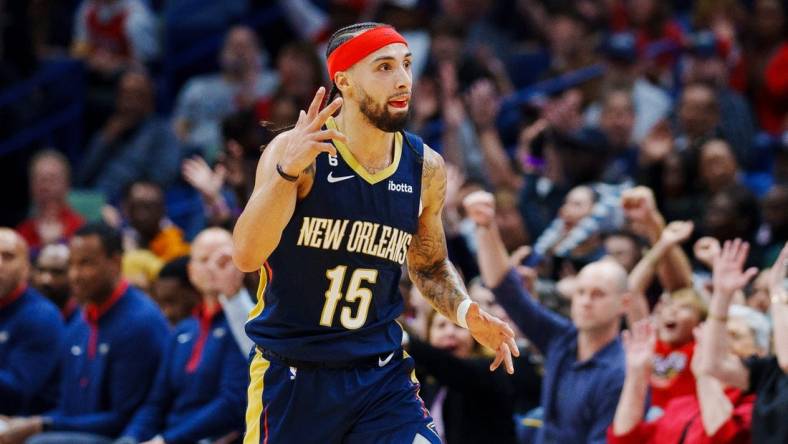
(462, 312)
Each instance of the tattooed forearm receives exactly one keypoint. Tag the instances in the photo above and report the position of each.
(440, 284)
(428, 264)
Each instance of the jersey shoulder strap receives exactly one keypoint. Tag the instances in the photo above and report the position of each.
(415, 144)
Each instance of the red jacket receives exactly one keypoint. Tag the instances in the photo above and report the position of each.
(70, 220)
(682, 414)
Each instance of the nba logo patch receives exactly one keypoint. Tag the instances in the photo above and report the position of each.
(293, 372)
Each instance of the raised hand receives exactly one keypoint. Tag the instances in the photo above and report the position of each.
(676, 233)
(640, 209)
(494, 334)
(639, 346)
(638, 204)
(205, 180)
(727, 276)
(480, 208)
(306, 139)
(706, 249)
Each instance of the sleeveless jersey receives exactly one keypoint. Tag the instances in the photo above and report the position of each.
(330, 292)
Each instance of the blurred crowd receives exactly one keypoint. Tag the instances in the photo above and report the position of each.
(617, 190)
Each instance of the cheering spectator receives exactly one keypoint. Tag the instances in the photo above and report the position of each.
(715, 415)
(52, 220)
(31, 330)
(109, 356)
(50, 277)
(199, 391)
(133, 145)
(766, 377)
(584, 360)
(204, 101)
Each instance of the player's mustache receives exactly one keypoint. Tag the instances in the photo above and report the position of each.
(400, 97)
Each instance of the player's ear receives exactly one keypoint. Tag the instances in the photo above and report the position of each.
(342, 81)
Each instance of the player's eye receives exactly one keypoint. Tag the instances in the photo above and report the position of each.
(406, 64)
(384, 67)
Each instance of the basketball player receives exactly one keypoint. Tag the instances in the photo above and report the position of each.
(339, 204)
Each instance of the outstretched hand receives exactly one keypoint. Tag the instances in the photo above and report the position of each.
(494, 334)
(639, 344)
(727, 276)
(307, 139)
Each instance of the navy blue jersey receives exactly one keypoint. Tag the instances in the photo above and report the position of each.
(330, 290)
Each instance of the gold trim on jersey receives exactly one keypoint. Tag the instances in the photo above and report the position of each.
(260, 305)
(255, 410)
(372, 178)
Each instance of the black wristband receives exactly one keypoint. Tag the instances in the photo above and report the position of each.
(284, 175)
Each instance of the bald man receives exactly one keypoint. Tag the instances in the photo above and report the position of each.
(30, 332)
(584, 358)
(200, 391)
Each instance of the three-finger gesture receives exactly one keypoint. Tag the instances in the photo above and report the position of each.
(306, 140)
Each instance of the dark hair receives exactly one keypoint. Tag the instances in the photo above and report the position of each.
(126, 191)
(177, 269)
(109, 237)
(341, 36)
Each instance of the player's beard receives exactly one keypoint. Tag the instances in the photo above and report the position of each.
(379, 115)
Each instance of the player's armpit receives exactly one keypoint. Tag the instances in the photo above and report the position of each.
(428, 264)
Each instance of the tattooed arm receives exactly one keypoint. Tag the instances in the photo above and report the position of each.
(436, 278)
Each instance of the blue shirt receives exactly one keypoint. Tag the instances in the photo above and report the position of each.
(31, 329)
(208, 402)
(99, 394)
(579, 398)
(149, 151)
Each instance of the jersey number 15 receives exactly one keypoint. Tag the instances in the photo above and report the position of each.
(354, 293)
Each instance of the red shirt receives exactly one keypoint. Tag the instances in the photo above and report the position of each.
(69, 219)
(671, 376)
(109, 35)
(682, 414)
(772, 99)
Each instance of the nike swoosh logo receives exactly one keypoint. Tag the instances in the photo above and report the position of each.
(332, 179)
(383, 362)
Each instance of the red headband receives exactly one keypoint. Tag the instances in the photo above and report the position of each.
(360, 46)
